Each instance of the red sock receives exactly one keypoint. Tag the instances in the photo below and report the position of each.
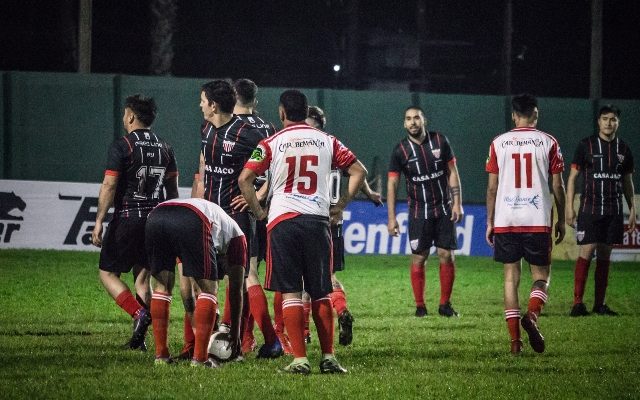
(323, 318)
(204, 314)
(580, 279)
(277, 312)
(160, 303)
(226, 314)
(189, 337)
(447, 276)
(602, 280)
(513, 323)
(292, 314)
(537, 299)
(128, 303)
(260, 312)
(306, 306)
(338, 300)
(247, 332)
(418, 283)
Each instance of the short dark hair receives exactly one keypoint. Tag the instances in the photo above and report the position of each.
(317, 114)
(524, 104)
(295, 105)
(221, 92)
(245, 90)
(609, 108)
(414, 108)
(144, 108)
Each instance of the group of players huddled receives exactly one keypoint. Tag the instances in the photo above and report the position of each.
(258, 191)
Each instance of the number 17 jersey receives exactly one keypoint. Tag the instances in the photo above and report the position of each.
(524, 159)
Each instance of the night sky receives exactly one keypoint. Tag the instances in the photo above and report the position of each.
(295, 43)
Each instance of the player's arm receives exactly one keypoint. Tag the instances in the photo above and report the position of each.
(629, 195)
(105, 201)
(245, 181)
(559, 195)
(171, 187)
(456, 192)
(570, 213)
(357, 174)
(392, 191)
(197, 189)
(492, 192)
(375, 197)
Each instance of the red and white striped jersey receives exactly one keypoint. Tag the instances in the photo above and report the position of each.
(223, 227)
(299, 159)
(524, 159)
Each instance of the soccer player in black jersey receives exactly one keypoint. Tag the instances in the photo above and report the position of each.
(435, 204)
(606, 164)
(227, 144)
(141, 167)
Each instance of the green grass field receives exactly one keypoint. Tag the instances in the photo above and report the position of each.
(61, 337)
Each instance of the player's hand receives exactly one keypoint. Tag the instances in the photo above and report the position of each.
(376, 198)
(456, 214)
(96, 235)
(560, 232)
(335, 215)
(489, 235)
(239, 203)
(632, 220)
(392, 227)
(570, 217)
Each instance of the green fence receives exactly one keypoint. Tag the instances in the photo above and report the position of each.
(58, 126)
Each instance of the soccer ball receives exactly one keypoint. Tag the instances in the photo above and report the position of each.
(219, 346)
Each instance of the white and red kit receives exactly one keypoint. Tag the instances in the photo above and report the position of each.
(299, 159)
(524, 159)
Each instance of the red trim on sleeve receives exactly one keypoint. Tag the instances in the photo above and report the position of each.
(452, 162)
(172, 174)
(492, 161)
(111, 172)
(393, 174)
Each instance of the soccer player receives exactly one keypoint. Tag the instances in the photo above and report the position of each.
(245, 109)
(521, 163)
(198, 232)
(140, 168)
(317, 119)
(606, 164)
(299, 159)
(435, 204)
(227, 144)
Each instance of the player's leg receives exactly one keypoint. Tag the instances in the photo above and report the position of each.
(189, 303)
(603, 257)
(445, 239)
(512, 273)
(258, 305)
(338, 296)
(420, 251)
(306, 306)
(160, 308)
(204, 317)
(586, 239)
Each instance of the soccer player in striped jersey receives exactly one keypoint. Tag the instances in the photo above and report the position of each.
(435, 204)
(521, 163)
(299, 159)
(606, 165)
(141, 167)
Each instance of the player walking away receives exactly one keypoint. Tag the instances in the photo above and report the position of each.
(435, 204)
(318, 120)
(519, 213)
(140, 168)
(299, 159)
(200, 233)
(606, 164)
(227, 144)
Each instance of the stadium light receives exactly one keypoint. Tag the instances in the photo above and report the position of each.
(336, 67)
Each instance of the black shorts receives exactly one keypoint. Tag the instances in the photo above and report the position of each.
(535, 248)
(259, 248)
(123, 245)
(174, 231)
(608, 229)
(299, 250)
(439, 232)
(337, 240)
(247, 223)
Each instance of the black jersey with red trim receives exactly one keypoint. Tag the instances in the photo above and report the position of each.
(226, 149)
(603, 165)
(426, 170)
(142, 162)
(266, 129)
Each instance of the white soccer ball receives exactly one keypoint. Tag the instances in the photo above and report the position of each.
(219, 347)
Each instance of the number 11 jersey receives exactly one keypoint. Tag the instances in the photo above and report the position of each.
(524, 159)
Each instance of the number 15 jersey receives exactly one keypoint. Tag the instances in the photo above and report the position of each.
(299, 159)
(524, 159)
